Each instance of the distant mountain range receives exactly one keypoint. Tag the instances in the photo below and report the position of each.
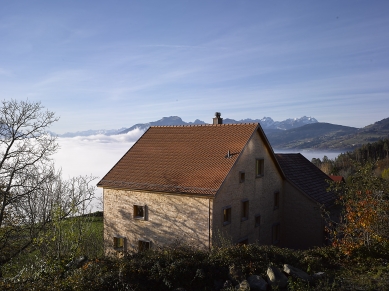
(291, 134)
(266, 123)
(326, 136)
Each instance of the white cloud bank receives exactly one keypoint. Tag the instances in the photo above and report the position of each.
(92, 155)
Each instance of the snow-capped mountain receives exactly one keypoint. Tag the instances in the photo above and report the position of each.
(267, 123)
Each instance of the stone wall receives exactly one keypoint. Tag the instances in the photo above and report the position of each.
(168, 219)
(259, 191)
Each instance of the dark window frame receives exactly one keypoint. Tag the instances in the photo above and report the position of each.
(140, 209)
(276, 200)
(259, 167)
(118, 242)
(144, 245)
(242, 176)
(227, 215)
(245, 206)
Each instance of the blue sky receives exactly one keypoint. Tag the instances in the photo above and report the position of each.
(111, 64)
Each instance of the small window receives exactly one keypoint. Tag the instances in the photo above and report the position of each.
(259, 167)
(276, 200)
(140, 212)
(245, 210)
(276, 233)
(143, 245)
(257, 220)
(118, 242)
(227, 215)
(242, 176)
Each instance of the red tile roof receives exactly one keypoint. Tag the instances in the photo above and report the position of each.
(337, 178)
(306, 176)
(181, 159)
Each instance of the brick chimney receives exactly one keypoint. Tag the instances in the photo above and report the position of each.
(217, 119)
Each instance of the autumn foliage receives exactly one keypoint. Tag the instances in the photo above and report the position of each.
(364, 223)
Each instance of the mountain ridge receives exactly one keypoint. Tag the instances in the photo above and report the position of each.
(266, 123)
(304, 133)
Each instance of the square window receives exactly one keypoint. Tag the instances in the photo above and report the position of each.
(227, 215)
(257, 220)
(275, 233)
(143, 245)
(140, 212)
(245, 210)
(276, 200)
(242, 176)
(259, 168)
(118, 242)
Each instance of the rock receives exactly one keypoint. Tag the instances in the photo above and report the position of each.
(77, 262)
(276, 277)
(319, 275)
(227, 285)
(257, 283)
(235, 275)
(297, 273)
(179, 289)
(244, 286)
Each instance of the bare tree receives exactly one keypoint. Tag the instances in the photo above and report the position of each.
(29, 185)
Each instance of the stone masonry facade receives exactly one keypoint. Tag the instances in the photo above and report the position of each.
(258, 191)
(168, 219)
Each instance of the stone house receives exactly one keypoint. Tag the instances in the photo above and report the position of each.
(202, 183)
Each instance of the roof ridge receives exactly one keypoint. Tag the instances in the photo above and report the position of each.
(199, 125)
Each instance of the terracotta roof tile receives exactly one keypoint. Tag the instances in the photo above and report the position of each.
(306, 176)
(181, 159)
(337, 178)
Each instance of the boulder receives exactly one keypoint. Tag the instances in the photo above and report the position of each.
(319, 275)
(77, 263)
(243, 286)
(227, 285)
(276, 277)
(235, 275)
(257, 283)
(297, 273)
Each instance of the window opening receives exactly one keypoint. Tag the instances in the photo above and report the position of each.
(226, 215)
(245, 210)
(143, 245)
(259, 167)
(242, 176)
(276, 200)
(276, 233)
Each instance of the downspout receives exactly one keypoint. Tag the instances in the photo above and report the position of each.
(209, 223)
